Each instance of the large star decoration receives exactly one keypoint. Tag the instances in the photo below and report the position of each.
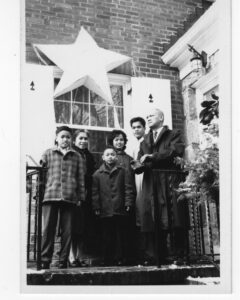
(83, 63)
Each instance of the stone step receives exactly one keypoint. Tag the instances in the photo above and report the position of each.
(137, 275)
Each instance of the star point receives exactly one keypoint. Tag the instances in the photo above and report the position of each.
(83, 63)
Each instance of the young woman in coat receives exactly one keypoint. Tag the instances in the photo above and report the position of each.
(118, 140)
(83, 223)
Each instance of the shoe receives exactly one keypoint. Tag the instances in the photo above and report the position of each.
(106, 263)
(131, 263)
(166, 261)
(45, 265)
(147, 263)
(83, 264)
(62, 265)
(119, 263)
(181, 262)
(74, 264)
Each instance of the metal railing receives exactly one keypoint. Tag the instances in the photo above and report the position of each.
(35, 179)
(201, 219)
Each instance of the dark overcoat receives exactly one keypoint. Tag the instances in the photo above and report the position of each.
(168, 145)
(112, 191)
(124, 160)
(84, 218)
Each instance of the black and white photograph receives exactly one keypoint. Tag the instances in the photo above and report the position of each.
(124, 170)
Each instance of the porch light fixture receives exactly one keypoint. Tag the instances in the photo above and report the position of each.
(198, 60)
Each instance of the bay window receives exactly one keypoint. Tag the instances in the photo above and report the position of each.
(82, 108)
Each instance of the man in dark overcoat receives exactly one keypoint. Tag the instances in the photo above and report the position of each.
(157, 151)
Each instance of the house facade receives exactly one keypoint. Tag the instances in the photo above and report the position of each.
(140, 29)
(155, 34)
(198, 82)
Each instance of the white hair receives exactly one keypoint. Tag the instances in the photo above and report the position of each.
(157, 110)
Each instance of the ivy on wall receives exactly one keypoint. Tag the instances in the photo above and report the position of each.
(203, 172)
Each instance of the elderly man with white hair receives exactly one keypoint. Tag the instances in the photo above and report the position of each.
(157, 151)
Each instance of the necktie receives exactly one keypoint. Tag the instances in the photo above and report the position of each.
(155, 135)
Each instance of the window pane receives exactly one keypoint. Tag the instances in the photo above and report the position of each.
(120, 116)
(62, 112)
(98, 115)
(95, 99)
(119, 112)
(110, 117)
(80, 94)
(97, 141)
(97, 144)
(117, 94)
(80, 114)
(65, 97)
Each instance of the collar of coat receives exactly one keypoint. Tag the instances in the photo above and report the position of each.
(104, 169)
(81, 151)
(56, 149)
(150, 135)
(120, 152)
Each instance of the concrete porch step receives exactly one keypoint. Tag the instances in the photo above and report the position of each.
(136, 275)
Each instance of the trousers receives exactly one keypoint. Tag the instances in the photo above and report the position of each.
(50, 212)
(113, 238)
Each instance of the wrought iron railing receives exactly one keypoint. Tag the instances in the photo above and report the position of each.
(199, 234)
(35, 179)
(196, 232)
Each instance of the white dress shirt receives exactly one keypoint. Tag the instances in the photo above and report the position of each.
(138, 181)
(137, 148)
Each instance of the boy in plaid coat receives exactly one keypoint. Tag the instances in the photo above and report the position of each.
(64, 190)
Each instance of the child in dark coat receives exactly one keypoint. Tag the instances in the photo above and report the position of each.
(112, 197)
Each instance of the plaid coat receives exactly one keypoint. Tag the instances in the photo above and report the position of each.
(65, 176)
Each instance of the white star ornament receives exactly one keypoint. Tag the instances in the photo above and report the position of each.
(83, 63)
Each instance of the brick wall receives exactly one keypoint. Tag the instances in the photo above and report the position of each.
(137, 28)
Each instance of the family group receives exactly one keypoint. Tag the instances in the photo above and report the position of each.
(117, 196)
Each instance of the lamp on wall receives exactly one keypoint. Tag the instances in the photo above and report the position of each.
(198, 60)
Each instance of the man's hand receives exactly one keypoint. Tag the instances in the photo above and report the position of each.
(145, 158)
(127, 208)
(79, 203)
